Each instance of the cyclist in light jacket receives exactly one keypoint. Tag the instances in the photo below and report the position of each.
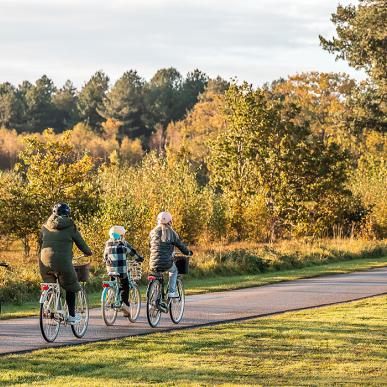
(163, 240)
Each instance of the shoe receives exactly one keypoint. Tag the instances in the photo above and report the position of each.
(74, 320)
(163, 307)
(173, 294)
(125, 309)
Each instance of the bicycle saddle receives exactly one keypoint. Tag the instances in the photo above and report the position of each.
(113, 274)
(158, 274)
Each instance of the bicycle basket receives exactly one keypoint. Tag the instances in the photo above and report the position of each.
(135, 270)
(82, 272)
(182, 264)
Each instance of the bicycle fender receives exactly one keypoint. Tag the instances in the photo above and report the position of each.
(103, 294)
(43, 297)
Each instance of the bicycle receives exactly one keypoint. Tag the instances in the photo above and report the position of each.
(157, 296)
(111, 298)
(54, 311)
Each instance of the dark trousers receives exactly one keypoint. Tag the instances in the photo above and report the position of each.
(124, 288)
(70, 300)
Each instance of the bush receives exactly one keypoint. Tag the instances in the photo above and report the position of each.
(133, 196)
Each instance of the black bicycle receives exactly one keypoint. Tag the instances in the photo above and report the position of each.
(157, 300)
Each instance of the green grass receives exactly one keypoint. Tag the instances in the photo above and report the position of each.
(335, 345)
(219, 283)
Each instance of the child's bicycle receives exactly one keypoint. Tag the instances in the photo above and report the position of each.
(157, 295)
(54, 310)
(111, 299)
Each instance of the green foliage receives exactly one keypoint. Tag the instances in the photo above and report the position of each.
(361, 37)
(65, 104)
(266, 150)
(39, 111)
(369, 181)
(90, 99)
(362, 41)
(163, 97)
(124, 103)
(11, 108)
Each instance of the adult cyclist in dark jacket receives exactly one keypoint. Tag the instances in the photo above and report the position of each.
(163, 240)
(56, 240)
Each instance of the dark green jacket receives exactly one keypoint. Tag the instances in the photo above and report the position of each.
(56, 250)
(163, 240)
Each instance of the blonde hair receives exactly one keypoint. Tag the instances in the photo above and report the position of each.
(166, 233)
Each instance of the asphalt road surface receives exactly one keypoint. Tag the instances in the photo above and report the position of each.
(23, 334)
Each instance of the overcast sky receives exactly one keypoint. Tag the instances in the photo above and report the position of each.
(253, 40)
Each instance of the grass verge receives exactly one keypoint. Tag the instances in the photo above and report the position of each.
(335, 345)
(230, 282)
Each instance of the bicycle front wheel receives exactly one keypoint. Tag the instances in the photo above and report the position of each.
(134, 302)
(153, 297)
(82, 309)
(109, 312)
(48, 325)
(176, 306)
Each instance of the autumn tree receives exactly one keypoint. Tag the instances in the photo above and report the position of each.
(266, 151)
(189, 138)
(49, 172)
(321, 100)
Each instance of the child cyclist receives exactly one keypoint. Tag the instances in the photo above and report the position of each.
(163, 239)
(115, 257)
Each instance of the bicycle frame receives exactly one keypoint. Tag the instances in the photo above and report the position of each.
(163, 299)
(60, 313)
(115, 285)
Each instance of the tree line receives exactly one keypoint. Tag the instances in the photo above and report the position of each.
(139, 106)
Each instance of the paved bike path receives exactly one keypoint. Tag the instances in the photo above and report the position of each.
(23, 334)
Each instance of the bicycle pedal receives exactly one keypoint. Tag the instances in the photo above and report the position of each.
(163, 307)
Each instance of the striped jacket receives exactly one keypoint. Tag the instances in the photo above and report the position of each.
(115, 255)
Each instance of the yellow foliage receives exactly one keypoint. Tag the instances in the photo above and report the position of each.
(131, 151)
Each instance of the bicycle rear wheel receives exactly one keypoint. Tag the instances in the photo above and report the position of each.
(153, 297)
(176, 306)
(134, 302)
(81, 308)
(109, 312)
(48, 325)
